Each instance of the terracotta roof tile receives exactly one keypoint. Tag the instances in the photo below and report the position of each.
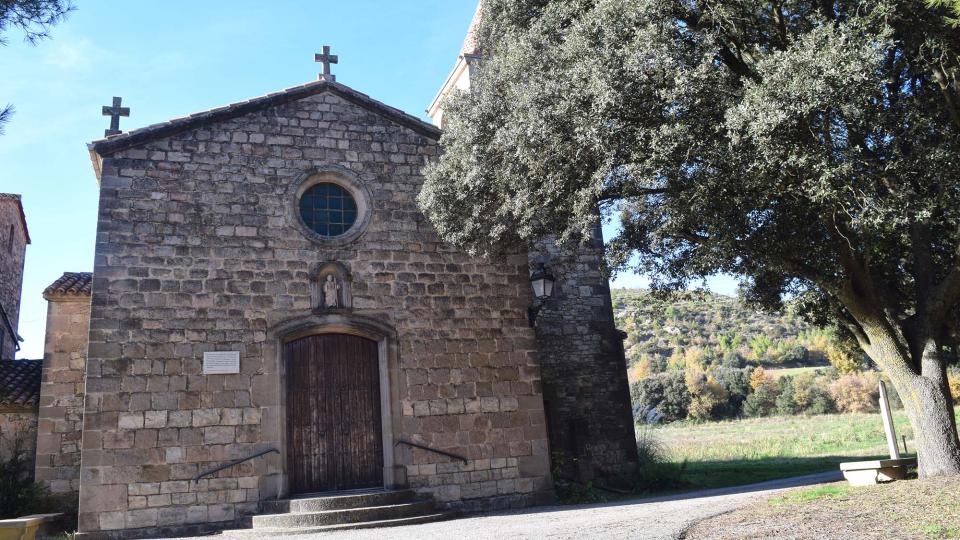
(70, 284)
(470, 45)
(20, 382)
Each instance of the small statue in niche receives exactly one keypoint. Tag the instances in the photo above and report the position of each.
(331, 292)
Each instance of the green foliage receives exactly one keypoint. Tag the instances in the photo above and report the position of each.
(846, 359)
(655, 472)
(812, 494)
(935, 530)
(34, 18)
(762, 402)
(785, 403)
(667, 392)
(951, 7)
(732, 359)
(743, 451)
(19, 494)
(736, 384)
(809, 148)
(720, 329)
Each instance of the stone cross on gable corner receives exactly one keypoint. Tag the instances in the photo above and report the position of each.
(115, 112)
(326, 59)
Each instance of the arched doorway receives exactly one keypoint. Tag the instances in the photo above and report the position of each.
(334, 429)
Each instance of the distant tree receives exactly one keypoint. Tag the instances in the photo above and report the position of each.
(785, 402)
(736, 383)
(809, 147)
(677, 360)
(759, 347)
(856, 392)
(810, 395)
(34, 18)
(796, 354)
(845, 360)
(732, 359)
(667, 392)
(639, 370)
(761, 402)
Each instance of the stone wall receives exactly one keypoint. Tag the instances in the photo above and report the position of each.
(198, 250)
(61, 392)
(585, 390)
(17, 422)
(13, 246)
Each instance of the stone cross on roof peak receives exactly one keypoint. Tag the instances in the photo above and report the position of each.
(115, 112)
(326, 59)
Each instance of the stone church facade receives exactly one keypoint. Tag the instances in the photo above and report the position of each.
(265, 283)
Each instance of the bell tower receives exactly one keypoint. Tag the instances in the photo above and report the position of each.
(13, 246)
(582, 363)
(463, 70)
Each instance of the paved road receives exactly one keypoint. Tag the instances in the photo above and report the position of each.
(654, 518)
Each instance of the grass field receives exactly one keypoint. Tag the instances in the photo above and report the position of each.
(793, 372)
(717, 454)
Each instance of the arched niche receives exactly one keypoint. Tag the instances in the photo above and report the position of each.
(331, 280)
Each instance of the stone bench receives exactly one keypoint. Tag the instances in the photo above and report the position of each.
(868, 473)
(26, 527)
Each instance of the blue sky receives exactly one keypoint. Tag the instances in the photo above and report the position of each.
(172, 58)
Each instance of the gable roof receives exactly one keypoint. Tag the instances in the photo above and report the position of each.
(20, 382)
(23, 217)
(70, 284)
(115, 143)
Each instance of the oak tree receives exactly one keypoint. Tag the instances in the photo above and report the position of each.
(811, 147)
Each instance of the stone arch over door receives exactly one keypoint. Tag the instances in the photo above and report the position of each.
(385, 338)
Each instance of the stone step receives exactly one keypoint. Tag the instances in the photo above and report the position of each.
(270, 532)
(340, 501)
(342, 516)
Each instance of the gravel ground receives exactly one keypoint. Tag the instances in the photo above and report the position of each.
(656, 518)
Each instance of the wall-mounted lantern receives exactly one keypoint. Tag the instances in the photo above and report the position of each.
(542, 282)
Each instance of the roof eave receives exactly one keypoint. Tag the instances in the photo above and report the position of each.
(104, 147)
(463, 62)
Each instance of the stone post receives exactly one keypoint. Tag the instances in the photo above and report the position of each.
(888, 423)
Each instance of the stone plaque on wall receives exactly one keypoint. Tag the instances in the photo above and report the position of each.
(221, 362)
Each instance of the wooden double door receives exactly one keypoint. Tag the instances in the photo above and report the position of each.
(334, 437)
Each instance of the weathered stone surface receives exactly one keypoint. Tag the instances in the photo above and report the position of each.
(198, 250)
(62, 392)
(13, 243)
(585, 390)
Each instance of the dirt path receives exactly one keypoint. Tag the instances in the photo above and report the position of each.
(655, 518)
(905, 510)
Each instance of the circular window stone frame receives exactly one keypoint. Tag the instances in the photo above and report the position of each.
(351, 185)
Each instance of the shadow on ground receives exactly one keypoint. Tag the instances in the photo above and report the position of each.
(725, 473)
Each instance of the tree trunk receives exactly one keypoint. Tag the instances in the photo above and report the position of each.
(929, 407)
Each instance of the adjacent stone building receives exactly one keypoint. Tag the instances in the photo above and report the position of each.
(19, 379)
(580, 350)
(62, 389)
(14, 238)
(19, 399)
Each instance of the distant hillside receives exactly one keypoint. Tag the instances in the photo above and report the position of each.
(717, 329)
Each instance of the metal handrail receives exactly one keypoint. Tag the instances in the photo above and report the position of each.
(234, 462)
(428, 449)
